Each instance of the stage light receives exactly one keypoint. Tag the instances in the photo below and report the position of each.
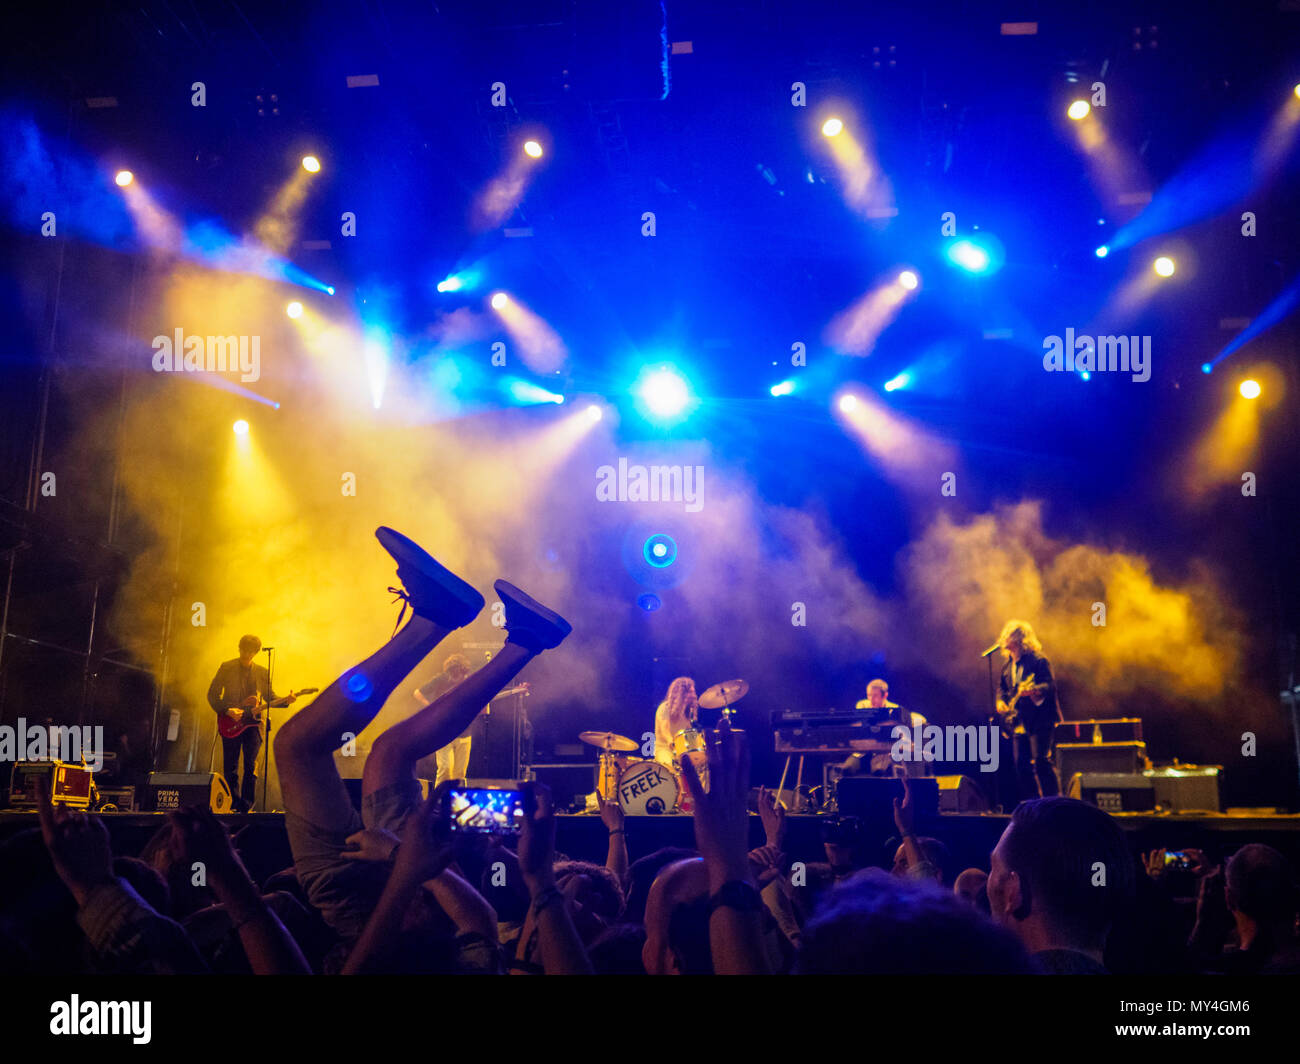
(1102, 251)
(649, 602)
(451, 284)
(311, 164)
(1079, 110)
(499, 300)
(1249, 389)
(660, 550)
(124, 178)
(968, 255)
(892, 385)
(832, 127)
(1297, 91)
(1206, 367)
(533, 149)
(594, 413)
(329, 289)
(241, 427)
(294, 309)
(1085, 375)
(527, 392)
(1164, 266)
(784, 388)
(848, 402)
(664, 393)
(908, 279)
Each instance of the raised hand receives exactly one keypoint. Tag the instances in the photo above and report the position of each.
(722, 814)
(78, 844)
(611, 813)
(772, 813)
(426, 847)
(905, 811)
(537, 837)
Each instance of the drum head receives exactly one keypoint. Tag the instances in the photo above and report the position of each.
(686, 740)
(647, 788)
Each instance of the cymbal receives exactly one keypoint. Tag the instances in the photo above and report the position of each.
(723, 694)
(608, 740)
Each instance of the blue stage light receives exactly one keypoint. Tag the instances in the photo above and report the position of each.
(649, 602)
(663, 394)
(784, 388)
(968, 255)
(901, 381)
(451, 284)
(660, 550)
(527, 392)
(1206, 367)
(1102, 251)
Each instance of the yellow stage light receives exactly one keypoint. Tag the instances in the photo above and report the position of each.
(1079, 110)
(1250, 389)
(832, 127)
(311, 164)
(533, 149)
(124, 178)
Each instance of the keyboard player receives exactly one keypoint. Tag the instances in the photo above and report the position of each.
(885, 712)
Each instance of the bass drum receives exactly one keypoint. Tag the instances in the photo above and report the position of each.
(647, 788)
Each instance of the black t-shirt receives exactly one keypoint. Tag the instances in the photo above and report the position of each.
(440, 685)
(1034, 667)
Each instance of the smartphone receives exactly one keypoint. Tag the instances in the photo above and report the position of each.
(1177, 859)
(484, 810)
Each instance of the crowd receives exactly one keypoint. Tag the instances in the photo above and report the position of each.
(392, 889)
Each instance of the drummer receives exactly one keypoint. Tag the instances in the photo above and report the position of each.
(678, 711)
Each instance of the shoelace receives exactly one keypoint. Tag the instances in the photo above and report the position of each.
(405, 600)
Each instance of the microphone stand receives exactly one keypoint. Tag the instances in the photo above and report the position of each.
(266, 754)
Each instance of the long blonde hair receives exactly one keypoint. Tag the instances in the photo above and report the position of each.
(680, 699)
(1027, 638)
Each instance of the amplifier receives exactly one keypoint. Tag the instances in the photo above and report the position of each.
(1114, 792)
(961, 794)
(70, 785)
(1113, 730)
(168, 791)
(1187, 788)
(115, 800)
(569, 784)
(1122, 757)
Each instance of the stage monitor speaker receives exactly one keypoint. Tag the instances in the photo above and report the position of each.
(1114, 792)
(167, 791)
(1187, 788)
(1114, 758)
(961, 794)
(871, 798)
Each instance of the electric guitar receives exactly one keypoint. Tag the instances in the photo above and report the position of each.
(1006, 716)
(254, 717)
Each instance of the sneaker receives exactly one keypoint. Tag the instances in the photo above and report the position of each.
(528, 622)
(431, 590)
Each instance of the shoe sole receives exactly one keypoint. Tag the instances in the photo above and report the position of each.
(409, 554)
(508, 590)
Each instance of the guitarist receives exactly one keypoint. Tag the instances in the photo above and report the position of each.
(1028, 710)
(237, 691)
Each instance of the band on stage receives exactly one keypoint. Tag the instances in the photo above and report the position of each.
(1026, 710)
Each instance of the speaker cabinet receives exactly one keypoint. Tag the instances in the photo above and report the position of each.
(168, 791)
(961, 794)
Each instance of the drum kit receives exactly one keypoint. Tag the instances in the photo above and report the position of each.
(648, 786)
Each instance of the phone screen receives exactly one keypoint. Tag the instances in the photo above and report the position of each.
(484, 811)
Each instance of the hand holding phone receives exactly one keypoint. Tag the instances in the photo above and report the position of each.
(483, 810)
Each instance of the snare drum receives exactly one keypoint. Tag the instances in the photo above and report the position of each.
(648, 787)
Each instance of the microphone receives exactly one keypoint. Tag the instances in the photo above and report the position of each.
(993, 649)
(265, 649)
